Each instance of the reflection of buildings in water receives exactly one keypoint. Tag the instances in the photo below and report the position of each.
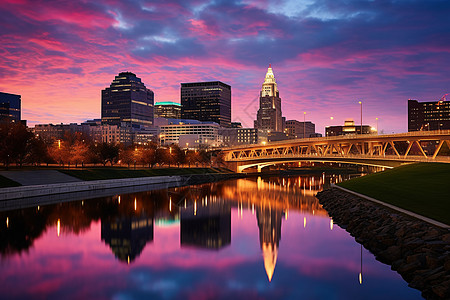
(277, 193)
(206, 225)
(127, 236)
(269, 223)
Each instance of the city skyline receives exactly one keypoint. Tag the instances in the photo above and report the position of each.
(327, 55)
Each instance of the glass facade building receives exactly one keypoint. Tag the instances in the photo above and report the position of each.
(426, 116)
(127, 101)
(206, 101)
(10, 107)
(168, 110)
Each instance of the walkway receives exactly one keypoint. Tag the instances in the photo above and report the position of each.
(38, 177)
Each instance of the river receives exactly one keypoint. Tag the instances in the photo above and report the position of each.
(256, 238)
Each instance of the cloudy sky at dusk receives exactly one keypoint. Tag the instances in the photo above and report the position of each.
(326, 54)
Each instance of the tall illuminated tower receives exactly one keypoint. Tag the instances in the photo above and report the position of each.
(269, 116)
(127, 101)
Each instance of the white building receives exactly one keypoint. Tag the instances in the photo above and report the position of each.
(190, 132)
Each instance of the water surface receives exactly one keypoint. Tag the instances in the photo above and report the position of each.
(247, 239)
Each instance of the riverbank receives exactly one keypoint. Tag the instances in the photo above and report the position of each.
(417, 250)
(421, 188)
(40, 194)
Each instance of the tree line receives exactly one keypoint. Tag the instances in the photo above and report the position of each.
(20, 146)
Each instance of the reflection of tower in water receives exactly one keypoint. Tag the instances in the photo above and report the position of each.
(206, 225)
(269, 223)
(127, 236)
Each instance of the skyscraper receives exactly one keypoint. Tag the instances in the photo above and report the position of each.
(127, 100)
(434, 115)
(269, 118)
(206, 101)
(10, 107)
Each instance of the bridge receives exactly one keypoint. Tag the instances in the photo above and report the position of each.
(387, 151)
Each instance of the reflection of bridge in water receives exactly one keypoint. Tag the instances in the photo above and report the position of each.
(203, 212)
(374, 150)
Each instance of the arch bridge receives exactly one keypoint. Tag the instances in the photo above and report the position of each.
(388, 150)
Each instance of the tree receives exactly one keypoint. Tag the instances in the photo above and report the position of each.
(107, 153)
(128, 155)
(177, 155)
(39, 152)
(15, 143)
(161, 156)
(147, 156)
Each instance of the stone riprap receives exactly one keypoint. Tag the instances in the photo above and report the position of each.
(417, 250)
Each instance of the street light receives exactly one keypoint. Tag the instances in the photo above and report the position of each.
(361, 117)
(377, 125)
(304, 124)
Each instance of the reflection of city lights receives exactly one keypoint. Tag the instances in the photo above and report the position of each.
(82, 203)
(195, 208)
(7, 222)
(119, 199)
(331, 224)
(360, 273)
(58, 227)
(253, 209)
(286, 213)
(38, 207)
(304, 222)
(128, 259)
(135, 204)
(170, 205)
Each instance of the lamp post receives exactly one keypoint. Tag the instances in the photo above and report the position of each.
(377, 125)
(304, 124)
(360, 102)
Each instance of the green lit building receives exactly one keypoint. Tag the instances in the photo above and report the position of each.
(168, 110)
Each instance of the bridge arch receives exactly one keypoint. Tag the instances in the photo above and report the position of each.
(261, 165)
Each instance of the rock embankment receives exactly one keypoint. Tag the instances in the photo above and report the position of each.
(418, 251)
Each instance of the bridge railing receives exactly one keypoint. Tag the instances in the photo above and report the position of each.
(344, 137)
(415, 158)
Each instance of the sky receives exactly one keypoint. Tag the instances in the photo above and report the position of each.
(327, 55)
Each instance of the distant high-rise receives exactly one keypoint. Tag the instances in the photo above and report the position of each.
(206, 101)
(168, 110)
(300, 129)
(433, 115)
(10, 107)
(269, 116)
(128, 101)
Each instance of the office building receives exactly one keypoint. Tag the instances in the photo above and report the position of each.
(189, 133)
(300, 130)
(349, 128)
(207, 102)
(238, 136)
(10, 108)
(269, 116)
(433, 115)
(128, 101)
(168, 110)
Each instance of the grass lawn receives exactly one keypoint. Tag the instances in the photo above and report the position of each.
(6, 182)
(116, 173)
(423, 188)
